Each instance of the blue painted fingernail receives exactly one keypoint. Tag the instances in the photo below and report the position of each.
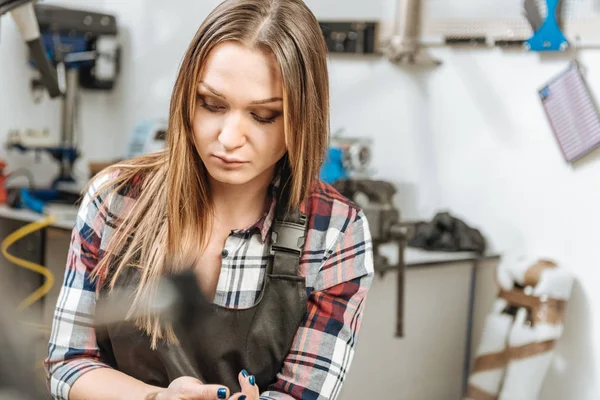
(242, 397)
(222, 393)
(244, 373)
(251, 380)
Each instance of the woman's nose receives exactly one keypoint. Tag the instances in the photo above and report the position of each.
(233, 133)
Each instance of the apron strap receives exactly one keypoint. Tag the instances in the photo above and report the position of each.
(287, 241)
(287, 237)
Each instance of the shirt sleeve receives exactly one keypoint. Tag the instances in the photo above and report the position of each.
(72, 348)
(324, 345)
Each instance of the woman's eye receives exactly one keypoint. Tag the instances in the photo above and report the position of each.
(212, 107)
(264, 120)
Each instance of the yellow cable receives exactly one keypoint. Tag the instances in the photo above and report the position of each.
(40, 269)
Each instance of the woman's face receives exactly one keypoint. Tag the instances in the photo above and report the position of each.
(238, 125)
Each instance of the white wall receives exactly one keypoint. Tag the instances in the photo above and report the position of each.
(499, 166)
(469, 136)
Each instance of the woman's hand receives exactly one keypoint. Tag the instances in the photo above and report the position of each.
(249, 388)
(187, 388)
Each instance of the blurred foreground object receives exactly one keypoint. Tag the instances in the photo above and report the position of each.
(521, 331)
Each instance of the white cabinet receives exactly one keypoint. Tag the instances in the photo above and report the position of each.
(428, 363)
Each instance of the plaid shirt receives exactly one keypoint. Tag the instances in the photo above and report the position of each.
(337, 263)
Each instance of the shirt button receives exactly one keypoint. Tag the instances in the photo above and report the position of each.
(224, 253)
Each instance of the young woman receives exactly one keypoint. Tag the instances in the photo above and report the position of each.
(284, 259)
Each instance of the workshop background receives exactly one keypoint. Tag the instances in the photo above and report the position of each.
(469, 136)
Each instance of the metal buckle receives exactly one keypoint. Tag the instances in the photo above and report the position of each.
(287, 236)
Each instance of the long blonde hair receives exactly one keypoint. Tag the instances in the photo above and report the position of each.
(169, 222)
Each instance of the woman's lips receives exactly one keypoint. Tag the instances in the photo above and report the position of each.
(229, 161)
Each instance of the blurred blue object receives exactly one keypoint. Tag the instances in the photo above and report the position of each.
(347, 158)
(333, 168)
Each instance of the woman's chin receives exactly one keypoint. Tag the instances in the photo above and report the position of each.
(230, 177)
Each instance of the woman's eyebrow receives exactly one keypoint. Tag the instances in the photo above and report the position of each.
(212, 90)
(257, 102)
(266, 101)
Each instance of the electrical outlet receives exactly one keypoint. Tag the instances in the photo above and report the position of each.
(354, 37)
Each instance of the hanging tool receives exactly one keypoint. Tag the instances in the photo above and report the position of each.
(548, 35)
(23, 13)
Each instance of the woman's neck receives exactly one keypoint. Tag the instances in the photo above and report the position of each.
(239, 206)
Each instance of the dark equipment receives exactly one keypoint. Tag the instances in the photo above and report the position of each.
(352, 37)
(447, 233)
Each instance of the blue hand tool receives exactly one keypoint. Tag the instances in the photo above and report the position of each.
(547, 34)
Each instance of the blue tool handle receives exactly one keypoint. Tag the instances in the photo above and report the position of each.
(31, 202)
(549, 37)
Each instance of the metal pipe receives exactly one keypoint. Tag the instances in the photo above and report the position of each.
(70, 77)
(405, 43)
(408, 24)
(69, 108)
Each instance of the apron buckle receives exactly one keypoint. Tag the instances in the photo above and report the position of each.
(288, 236)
